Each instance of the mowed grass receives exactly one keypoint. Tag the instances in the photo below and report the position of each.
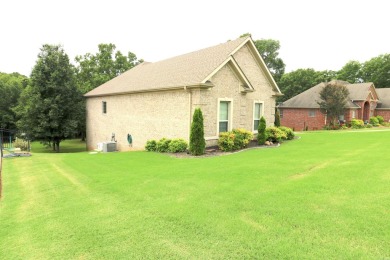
(324, 196)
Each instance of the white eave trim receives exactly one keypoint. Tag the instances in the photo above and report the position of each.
(173, 88)
(237, 70)
(262, 65)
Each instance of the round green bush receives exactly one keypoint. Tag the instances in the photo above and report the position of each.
(242, 138)
(151, 146)
(234, 140)
(177, 146)
(357, 123)
(374, 121)
(274, 134)
(226, 141)
(380, 119)
(163, 145)
(288, 131)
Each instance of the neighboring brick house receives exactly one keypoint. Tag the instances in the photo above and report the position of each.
(383, 107)
(302, 112)
(229, 82)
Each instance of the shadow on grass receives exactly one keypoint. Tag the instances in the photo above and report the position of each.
(66, 146)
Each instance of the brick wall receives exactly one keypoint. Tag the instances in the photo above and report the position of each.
(145, 116)
(299, 118)
(384, 113)
(154, 115)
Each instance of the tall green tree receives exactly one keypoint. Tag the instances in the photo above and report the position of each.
(377, 70)
(11, 86)
(351, 72)
(269, 51)
(295, 82)
(48, 108)
(92, 70)
(333, 100)
(197, 142)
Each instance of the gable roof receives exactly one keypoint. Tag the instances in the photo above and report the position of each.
(384, 94)
(310, 97)
(187, 70)
(360, 91)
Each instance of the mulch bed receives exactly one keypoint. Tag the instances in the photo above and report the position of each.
(215, 151)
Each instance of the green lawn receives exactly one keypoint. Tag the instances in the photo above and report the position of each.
(324, 196)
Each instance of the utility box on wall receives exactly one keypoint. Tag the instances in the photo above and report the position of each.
(109, 147)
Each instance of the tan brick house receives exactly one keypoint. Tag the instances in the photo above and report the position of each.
(229, 82)
(303, 112)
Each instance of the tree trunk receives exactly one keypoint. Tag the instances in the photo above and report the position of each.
(83, 136)
(57, 146)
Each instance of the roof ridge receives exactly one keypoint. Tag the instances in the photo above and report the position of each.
(186, 69)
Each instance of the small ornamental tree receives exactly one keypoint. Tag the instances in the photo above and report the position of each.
(277, 118)
(261, 136)
(333, 100)
(197, 141)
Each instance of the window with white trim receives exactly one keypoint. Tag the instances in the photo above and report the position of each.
(281, 113)
(224, 116)
(312, 113)
(104, 107)
(257, 113)
(353, 114)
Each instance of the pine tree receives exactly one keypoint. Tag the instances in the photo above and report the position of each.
(197, 141)
(261, 136)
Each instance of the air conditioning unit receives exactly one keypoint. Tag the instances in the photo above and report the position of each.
(109, 147)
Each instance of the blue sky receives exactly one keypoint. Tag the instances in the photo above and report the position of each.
(313, 34)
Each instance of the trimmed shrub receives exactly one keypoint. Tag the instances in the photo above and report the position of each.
(288, 131)
(197, 141)
(374, 121)
(261, 136)
(226, 141)
(381, 120)
(357, 123)
(163, 145)
(368, 125)
(151, 146)
(274, 134)
(277, 118)
(242, 138)
(234, 140)
(177, 146)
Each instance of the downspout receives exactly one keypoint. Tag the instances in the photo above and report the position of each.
(189, 110)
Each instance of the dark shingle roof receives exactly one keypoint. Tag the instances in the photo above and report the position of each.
(310, 97)
(384, 97)
(359, 91)
(184, 70)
